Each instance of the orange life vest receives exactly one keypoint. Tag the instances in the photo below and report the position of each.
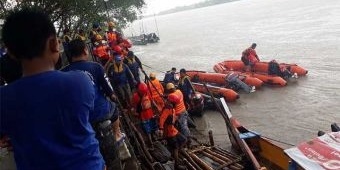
(112, 38)
(101, 51)
(168, 127)
(180, 106)
(155, 96)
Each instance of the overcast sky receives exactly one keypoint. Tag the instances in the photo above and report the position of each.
(156, 6)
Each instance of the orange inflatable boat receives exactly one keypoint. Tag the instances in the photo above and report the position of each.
(219, 78)
(268, 79)
(228, 94)
(261, 67)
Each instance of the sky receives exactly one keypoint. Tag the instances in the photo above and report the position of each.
(156, 6)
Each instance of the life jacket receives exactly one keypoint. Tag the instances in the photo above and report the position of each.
(111, 38)
(180, 106)
(143, 106)
(166, 122)
(158, 88)
(66, 41)
(133, 65)
(252, 55)
(80, 37)
(101, 51)
(118, 68)
(185, 87)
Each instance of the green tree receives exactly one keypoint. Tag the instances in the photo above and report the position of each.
(75, 14)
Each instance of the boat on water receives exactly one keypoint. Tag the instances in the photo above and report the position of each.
(265, 78)
(261, 67)
(144, 39)
(228, 94)
(220, 78)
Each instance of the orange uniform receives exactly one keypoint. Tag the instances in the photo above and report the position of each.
(157, 87)
(166, 122)
(101, 51)
(112, 38)
(180, 106)
(143, 106)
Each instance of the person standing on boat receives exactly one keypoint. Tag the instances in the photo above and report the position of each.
(180, 111)
(142, 104)
(249, 57)
(104, 110)
(45, 113)
(156, 90)
(170, 76)
(134, 64)
(175, 140)
(184, 84)
(121, 80)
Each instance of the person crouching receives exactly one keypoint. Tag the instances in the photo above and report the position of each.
(167, 129)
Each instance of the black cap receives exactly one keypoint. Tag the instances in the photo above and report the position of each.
(130, 54)
(173, 68)
(182, 70)
(253, 45)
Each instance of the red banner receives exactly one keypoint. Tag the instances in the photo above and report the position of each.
(319, 153)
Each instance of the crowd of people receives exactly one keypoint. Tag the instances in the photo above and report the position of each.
(70, 118)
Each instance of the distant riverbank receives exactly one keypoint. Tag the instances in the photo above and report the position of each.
(193, 6)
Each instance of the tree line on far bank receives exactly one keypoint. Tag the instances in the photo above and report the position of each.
(80, 14)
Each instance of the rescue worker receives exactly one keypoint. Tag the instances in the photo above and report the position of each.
(274, 68)
(157, 91)
(134, 64)
(121, 79)
(142, 104)
(249, 57)
(112, 36)
(175, 140)
(101, 50)
(184, 84)
(81, 35)
(95, 30)
(180, 111)
(50, 129)
(105, 111)
(170, 76)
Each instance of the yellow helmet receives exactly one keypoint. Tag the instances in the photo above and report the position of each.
(170, 86)
(98, 37)
(111, 24)
(152, 75)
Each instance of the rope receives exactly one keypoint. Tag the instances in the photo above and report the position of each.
(153, 68)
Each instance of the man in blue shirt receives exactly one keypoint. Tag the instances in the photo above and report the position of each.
(103, 109)
(46, 112)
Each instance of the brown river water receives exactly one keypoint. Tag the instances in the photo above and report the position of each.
(306, 32)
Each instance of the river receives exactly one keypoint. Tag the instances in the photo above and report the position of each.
(306, 32)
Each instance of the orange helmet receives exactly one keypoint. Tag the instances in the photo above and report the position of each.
(98, 37)
(170, 86)
(142, 88)
(111, 24)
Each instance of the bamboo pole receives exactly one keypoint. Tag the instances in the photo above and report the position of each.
(204, 165)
